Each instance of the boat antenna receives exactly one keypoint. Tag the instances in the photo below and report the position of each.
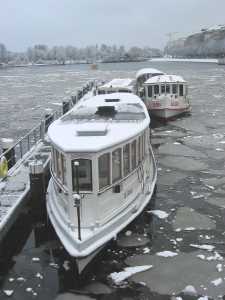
(77, 197)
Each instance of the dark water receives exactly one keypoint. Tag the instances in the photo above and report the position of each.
(191, 190)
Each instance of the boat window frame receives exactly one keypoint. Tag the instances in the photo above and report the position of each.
(73, 175)
(115, 179)
(150, 94)
(174, 88)
(156, 86)
(128, 159)
(132, 144)
(181, 94)
(168, 88)
(163, 86)
(109, 170)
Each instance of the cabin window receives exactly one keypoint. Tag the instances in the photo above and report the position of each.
(139, 150)
(167, 89)
(84, 171)
(149, 91)
(181, 90)
(116, 165)
(58, 165)
(53, 161)
(63, 161)
(101, 92)
(104, 170)
(126, 159)
(174, 89)
(156, 89)
(163, 89)
(133, 155)
(143, 145)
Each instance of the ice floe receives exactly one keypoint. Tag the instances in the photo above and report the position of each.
(217, 281)
(118, 277)
(203, 247)
(8, 292)
(190, 290)
(167, 254)
(159, 213)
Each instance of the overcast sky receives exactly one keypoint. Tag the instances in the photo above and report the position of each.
(24, 23)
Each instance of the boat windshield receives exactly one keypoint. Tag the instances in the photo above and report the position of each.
(122, 112)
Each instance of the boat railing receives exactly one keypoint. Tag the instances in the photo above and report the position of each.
(19, 150)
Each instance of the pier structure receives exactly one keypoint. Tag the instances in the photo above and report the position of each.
(25, 166)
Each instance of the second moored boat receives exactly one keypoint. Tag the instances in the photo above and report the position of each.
(166, 96)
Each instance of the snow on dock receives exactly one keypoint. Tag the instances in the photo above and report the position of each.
(15, 187)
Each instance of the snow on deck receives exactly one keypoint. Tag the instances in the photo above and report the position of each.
(148, 71)
(14, 189)
(118, 83)
(130, 119)
(165, 79)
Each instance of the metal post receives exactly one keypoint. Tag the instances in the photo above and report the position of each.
(77, 198)
(49, 117)
(10, 155)
(37, 189)
(65, 107)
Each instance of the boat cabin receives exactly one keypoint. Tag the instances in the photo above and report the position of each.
(143, 75)
(117, 85)
(170, 85)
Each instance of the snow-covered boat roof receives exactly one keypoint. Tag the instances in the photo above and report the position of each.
(165, 79)
(100, 122)
(118, 83)
(148, 71)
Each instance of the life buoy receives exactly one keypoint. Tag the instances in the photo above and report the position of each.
(3, 167)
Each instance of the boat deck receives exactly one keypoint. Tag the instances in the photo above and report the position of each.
(15, 188)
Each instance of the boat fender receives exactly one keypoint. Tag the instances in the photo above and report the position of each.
(3, 167)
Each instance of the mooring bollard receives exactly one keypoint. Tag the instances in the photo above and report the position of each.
(49, 117)
(65, 106)
(10, 155)
(37, 189)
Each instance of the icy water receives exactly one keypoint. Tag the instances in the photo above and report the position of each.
(179, 240)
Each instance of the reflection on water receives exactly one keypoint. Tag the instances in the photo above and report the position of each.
(182, 239)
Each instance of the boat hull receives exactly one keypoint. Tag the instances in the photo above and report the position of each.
(94, 240)
(169, 112)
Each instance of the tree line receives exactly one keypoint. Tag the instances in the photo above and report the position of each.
(60, 54)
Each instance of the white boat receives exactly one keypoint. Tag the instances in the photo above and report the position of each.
(117, 85)
(166, 96)
(103, 171)
(142, 76)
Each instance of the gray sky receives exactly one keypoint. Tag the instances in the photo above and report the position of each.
(79, 23)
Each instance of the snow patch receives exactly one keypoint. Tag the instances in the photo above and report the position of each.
(66, 265)
(219, 267)
(8, 292)
(128, 233)
(159, 213)
(118, 277)
(35, 259)
(190, 290)
(203, 247)
(146, 250)
(167, 254)
(217, 281)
